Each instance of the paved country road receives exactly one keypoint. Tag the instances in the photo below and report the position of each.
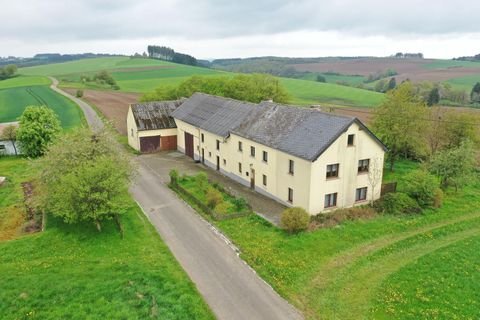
(231, 289)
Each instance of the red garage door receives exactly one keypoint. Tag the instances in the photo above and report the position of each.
(149, 144)
(168, 143)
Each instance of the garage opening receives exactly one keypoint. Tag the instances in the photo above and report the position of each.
(149, 144)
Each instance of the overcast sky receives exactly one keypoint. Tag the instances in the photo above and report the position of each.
(222, 29)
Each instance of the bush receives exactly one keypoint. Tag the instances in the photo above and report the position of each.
(202, 181)
(213, 197)
(399, 203)
(438, 199)
(222, 208)
(421, 186)
(79, 93)
(330, 219)
(173, 176)
(294, 219)
(239, 204)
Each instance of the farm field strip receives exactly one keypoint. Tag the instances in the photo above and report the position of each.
(22, 81)
(14, 100)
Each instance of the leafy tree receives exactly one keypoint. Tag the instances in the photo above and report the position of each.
(253, 88)
(460, 127)
(10, 134)
(8, 71)
(398, 122)
(39, 126)
(295, 219)
(421, 186)
(321, 78)
(454, 166)
(380, 85)
(475, 94)
(85, 177)
(433, 97)
(392, 83)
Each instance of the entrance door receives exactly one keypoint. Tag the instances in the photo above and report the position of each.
(252, 178)
(203, 156)
(218, 163)
(189, 144)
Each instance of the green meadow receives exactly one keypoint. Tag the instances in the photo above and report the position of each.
(13, 102)
(76, 272)
(388, 267)
(145, 75)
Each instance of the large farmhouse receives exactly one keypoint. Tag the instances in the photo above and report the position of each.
(298, 156)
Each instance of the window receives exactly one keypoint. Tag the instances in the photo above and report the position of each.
(240, 147)
(291, 166)
(203, 137)
(224, 162)
(210, 154)
(332, 170)
(330, 200)
(240, 167)
(363, 165)
(252, 151)
(218, 144)
(2, 147)
(265, 156)
(351, 140)
(265, 180)
(131, 132)
(290, 195)
(361, 194)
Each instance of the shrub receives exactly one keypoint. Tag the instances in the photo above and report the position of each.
(295, 219)
(330, 219)
(202, 180)
(173, 176)
(438, 199)
(421, 186)
(399, 203)
(240, 204)
(222, 207)
(79, 93)
(213, 197)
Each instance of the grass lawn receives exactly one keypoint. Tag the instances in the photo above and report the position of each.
(22, 81)
(309, 92)
(75, 272)
(145, 75)
(12, 210)
(339, 273)
(13, 102)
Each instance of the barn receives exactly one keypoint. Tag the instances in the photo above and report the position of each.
(151, 127)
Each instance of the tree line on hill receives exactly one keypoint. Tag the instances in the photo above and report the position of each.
(168, 54)
(246, 87)
(8, 71)
(46, 58)
(475, 58)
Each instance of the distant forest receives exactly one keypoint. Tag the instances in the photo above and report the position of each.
(46, 58)
(475, 58)
(168, 54)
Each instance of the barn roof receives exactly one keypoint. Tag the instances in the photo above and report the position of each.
(155, 115)
(302, 132)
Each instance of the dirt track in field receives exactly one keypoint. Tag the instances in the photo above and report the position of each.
(412, 69)
(113, 105)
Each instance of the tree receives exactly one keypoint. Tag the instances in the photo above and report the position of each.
(10, 134)
(85, 177)
(252, 87)
(392, 83)
(321, 78)
(433, 97)
(39, 126)
(380, 85)
(398, 122)
(421, 186)
(375, 172)
(454, 166)
(475, 94)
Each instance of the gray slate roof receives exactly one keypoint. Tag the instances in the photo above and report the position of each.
(214, 114)
(302, 132)
(298, 131)
(155, 115)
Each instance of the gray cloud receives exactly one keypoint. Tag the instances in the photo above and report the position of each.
(62, 21)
